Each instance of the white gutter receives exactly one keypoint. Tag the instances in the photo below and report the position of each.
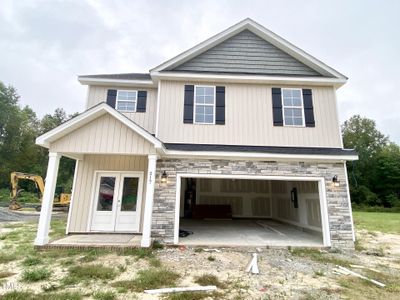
(115, 82)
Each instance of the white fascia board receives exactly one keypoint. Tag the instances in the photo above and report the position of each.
(257, 79)
(259, 30)
(86, 117)
(254, 155)
(116, 82)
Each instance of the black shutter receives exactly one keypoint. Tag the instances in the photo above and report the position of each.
(111, 97)
(188, 104)
(308, 108)
(141, 101)
(277, 106)
(220, 105)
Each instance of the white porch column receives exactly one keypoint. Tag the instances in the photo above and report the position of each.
(42, 237)
(148, 207)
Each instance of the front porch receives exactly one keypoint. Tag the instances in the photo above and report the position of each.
(113, 186)
(112, 241)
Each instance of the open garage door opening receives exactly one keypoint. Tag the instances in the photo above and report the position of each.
(251, 212)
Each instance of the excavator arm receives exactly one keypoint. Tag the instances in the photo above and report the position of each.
(62, 199)
(15, 177)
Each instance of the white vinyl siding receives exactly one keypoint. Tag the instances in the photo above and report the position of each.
(82, 193)
(292, 105)
(105, 134)
(204, 104)
(248, 118)
(97, 94)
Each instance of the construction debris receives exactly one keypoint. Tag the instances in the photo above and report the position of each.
(344, 271)
(363, 267)
(212, 250)
(252, 266)
(182, 289)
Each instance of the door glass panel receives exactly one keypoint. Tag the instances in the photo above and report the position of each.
(105, 198)
(129, 193)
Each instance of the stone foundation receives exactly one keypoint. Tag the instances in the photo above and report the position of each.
(339, 212)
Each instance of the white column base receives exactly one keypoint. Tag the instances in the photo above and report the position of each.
(40, 241)
(148, 208)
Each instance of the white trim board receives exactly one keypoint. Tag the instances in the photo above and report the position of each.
(321, 187)
(71, 203)
(263, 33)
(256, 155)
(257, 79)
(88, 116)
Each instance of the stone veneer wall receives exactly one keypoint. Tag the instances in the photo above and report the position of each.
(338, 205)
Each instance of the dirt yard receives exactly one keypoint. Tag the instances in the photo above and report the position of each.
(284, 273)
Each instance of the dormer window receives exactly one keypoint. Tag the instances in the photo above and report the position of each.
(126, 101)
(204, 104)
(292, 104)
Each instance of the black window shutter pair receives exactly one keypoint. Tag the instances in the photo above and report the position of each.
(307, 104)
(141, 100)
(219, 105)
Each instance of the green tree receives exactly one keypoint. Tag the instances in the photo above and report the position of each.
(67, 165)
(19, 128)
(374, 178)
(386, 175)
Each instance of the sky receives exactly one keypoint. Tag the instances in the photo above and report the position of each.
(46, 44)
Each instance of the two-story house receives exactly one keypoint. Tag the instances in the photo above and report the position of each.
(235, 141)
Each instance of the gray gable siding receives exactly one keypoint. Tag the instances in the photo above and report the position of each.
(246, 53)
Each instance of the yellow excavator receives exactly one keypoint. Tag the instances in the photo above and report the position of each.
(60, 199)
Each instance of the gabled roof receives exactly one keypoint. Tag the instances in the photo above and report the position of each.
(246, 53)
(248, 25)
(86, 117)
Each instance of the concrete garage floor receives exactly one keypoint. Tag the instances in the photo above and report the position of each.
(246, 233)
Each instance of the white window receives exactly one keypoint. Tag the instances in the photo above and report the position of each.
(204, 104)
(292, 103)
(126, 101)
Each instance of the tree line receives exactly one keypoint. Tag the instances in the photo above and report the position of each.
(19, 127)
(374, 179)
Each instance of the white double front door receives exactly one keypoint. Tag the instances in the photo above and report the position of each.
(117, 201)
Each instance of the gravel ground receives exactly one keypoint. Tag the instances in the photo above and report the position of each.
(7, 215)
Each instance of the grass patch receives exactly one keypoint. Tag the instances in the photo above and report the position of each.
(17, 295)
(31, 261)
(358, 245)
(377, 221)
(6, 258)
(152, 278)
(108, 295)
(209, 279)
(87, 272)
(35, 275)
(93, 254)
(5, 274)
(157, 245)
(137, 252)
(154, 262)
(319, 256)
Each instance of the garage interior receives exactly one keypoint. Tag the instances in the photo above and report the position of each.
(249, 212)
